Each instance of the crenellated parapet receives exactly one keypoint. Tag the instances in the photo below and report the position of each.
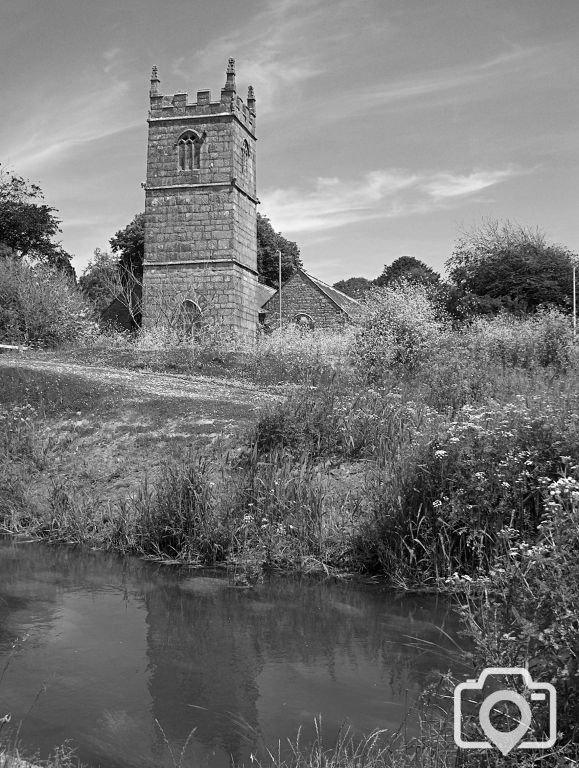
(177, 105)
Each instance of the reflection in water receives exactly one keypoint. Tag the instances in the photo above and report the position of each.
(120, 644)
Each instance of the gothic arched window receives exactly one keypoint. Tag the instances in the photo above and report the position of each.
(188, 319)
(189, 149)
(244, 156)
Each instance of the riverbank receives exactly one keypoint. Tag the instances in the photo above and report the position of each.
(404, 479)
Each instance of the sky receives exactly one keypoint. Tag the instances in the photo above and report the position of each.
(385, 127)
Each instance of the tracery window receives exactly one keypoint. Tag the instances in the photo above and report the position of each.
(189, 149)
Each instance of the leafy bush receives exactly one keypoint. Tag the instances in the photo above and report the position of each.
(495, 359)
(397, 330)
(40, 304)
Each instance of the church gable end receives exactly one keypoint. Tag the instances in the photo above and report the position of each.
(304, 303)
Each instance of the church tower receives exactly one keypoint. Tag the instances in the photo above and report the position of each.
(200, 260)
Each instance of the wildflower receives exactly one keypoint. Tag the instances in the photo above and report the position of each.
(440, 454)
(437, 503)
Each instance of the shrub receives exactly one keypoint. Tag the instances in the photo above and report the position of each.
(495, 358)
(41, 304)
(397, 330)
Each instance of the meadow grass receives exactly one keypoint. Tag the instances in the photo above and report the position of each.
(292, 357)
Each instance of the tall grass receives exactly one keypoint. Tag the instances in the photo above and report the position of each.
(178, 519)
(293, 356)
(379, 749)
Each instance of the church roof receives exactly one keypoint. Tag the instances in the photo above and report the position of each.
(344, 302)
(264, 292)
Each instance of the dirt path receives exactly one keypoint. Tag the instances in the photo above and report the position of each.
(101, 431)
(156, 384)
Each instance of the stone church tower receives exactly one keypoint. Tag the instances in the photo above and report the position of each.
(200, 211)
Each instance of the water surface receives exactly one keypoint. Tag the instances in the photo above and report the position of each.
(107, 651)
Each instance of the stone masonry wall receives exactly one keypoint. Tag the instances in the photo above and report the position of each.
(188, 224)
(299, 295)
(226, 294)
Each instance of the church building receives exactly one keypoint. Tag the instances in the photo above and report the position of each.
(308, 303)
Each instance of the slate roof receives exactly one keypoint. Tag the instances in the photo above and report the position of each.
(263, 293)
(346, 303)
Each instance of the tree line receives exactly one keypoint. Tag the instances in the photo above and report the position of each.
(494, 266)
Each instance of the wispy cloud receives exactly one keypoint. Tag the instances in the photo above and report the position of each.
(421, 87)
(447, 185)
(292, 42)
(381, 194)
(97, 112)
(281, 48)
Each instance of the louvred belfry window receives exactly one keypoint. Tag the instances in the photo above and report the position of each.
(244, 157)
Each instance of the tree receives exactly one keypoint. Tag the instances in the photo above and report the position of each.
(500, 265)
(408, 269)
(355, 287)
(27, 225)
(129, 244)
(268, 243)
(100, 281)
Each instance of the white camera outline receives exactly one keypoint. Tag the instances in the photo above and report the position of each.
(477, 685)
